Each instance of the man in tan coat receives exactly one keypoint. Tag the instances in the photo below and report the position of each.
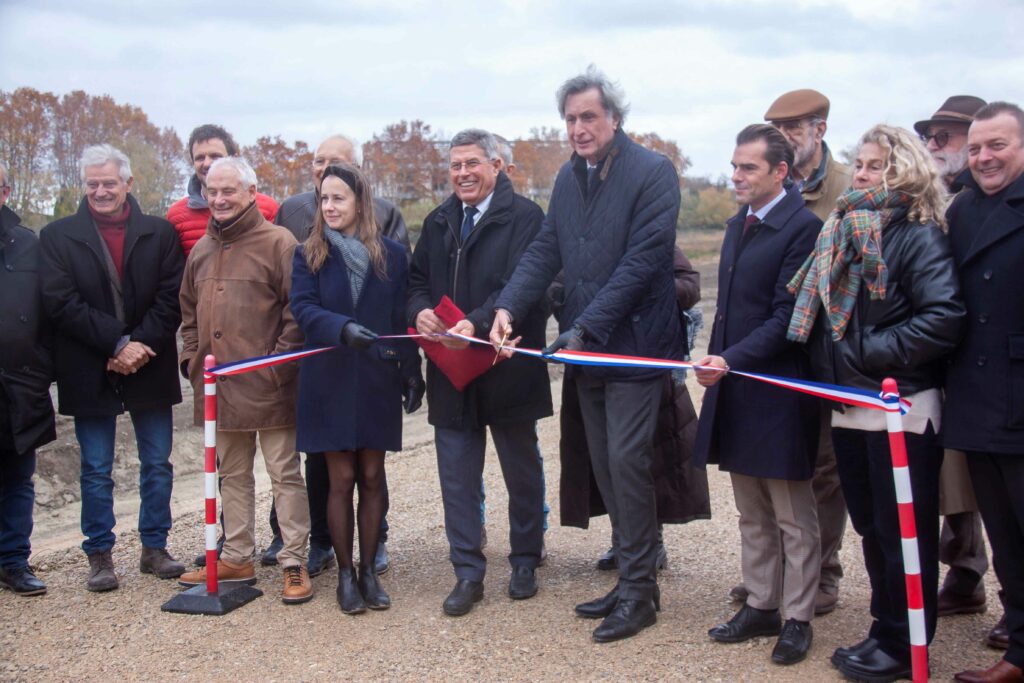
(234, 300)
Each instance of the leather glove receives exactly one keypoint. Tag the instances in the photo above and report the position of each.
(357, 336)
(415, 387)
(570, 340)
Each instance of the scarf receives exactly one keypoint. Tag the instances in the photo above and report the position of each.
(847, 255)
(111, 230)
(357, 259)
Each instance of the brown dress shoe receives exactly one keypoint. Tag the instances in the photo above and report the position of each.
(227, 572)
(1002, 672)
(297, 586)
(957, 603)
(825, 600)
(999, 636)
(159, 562)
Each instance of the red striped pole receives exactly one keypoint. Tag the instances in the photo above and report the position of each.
(908, 532)
(210, 441)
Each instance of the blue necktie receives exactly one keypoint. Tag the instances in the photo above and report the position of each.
(467, 222)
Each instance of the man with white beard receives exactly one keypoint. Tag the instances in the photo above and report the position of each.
(945, 135)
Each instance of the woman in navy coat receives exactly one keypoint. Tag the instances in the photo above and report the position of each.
(348, 287)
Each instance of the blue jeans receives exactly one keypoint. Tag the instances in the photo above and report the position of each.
(17, 494)
(153, 430)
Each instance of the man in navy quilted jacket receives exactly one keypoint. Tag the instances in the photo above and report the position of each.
(611, 229)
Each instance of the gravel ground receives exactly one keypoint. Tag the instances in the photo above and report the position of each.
(73, 635)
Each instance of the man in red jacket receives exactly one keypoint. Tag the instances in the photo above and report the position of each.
(206, 144)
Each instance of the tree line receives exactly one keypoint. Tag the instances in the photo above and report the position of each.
(42, 136)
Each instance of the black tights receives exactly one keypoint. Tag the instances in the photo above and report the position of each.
(345, 469)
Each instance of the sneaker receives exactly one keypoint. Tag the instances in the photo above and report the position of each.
(297, 586)
(101, 573)
(22, 581)
(227, 572)
(158, 561)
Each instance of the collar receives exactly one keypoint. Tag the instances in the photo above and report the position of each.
(1014, 190)
(196, 198)
(819, 174)
(766, 209)
(481, 207)
(246, 221)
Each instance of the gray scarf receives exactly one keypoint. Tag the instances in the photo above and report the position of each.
(357, 259)
(196, 200)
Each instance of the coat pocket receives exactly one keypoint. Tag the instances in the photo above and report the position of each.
(1015, 409)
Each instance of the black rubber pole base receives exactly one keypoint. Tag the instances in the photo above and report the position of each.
(196, 600)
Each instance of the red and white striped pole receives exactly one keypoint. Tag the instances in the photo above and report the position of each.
(908, 532)
(210, 441)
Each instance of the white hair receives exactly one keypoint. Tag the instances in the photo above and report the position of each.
(3, 173)
(245, 173)
(357, 151)
(98, 155)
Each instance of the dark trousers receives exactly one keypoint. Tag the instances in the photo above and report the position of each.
(865, 471)
(999, 486)
(619, 419)
(17, 495)
(460, 464)
(317, 488)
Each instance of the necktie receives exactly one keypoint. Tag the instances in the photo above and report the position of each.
(467, 222)
(748, 223)
(591, 180)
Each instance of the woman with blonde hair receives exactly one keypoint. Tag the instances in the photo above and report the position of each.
(348, 287)
(879, 297)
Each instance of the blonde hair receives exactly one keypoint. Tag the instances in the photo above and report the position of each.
(367, 230)
(910, 169)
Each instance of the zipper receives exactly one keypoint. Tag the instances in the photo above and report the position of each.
(458, 258)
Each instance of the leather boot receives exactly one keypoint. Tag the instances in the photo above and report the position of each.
(350, 599)
(101, 573)
(373, 593)
(158, 561)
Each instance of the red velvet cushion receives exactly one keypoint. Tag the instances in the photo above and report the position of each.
(460, 366)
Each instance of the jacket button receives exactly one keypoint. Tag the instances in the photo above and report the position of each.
(9, 267)
(579, 283)
(730, 269)
(583, 240)
(636, 318)
(983, 318)
(217, 335)
(24, 368)
(987, 275)
(23, 318)
(982, 360)
(721, 317)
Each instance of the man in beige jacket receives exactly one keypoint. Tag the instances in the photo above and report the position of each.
(234, 300)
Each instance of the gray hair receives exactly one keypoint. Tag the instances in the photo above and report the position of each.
(613, 97)
(505, 150)
(479, 137)
(357, 151)
(98, 155)
(240, 166)
(3, 173)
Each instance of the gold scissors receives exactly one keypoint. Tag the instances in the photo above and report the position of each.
(504, 339)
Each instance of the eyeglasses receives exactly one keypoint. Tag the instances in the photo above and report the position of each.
(470, 165)
(941, 138)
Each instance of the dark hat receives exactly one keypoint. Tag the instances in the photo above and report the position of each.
(798, 104)
(957, 109)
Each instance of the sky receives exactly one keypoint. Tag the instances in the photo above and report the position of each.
(694, 71)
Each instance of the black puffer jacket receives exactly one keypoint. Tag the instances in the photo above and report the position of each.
(908, 334)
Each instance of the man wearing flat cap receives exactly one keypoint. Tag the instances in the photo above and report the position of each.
(800, 115)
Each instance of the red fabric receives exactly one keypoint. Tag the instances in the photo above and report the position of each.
(460, 366)
(112, 231)
(191, 223)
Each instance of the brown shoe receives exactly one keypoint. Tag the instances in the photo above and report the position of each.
(159, 562)
(297, 586)
(826, 600)
(1002, 672)
(227, 572)
(101, 573)
(999, 636)
(958, 603)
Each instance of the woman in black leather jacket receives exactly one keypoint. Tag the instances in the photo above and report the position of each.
(891, 308)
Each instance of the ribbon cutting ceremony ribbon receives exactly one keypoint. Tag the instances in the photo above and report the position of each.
(847, 395)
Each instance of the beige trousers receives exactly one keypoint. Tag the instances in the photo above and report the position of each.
(828, 492)
(780, 545)
(237, 451)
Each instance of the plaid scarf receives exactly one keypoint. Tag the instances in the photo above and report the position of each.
(848, 252)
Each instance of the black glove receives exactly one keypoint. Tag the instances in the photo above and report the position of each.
(357, 336)
(570, 340)
(415, 387)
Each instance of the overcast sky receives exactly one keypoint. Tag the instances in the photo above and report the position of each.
(694, 71)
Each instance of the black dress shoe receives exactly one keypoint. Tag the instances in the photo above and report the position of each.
(793, 643)
(608, 561)
(320, 559)
(523, 583)
(599, 608)
(22, 581)
(373, 593)
(200, 560)
(860, 648)
(874, 666)
(381, 560)
(269, 556)
(462, 597)
(999, 637)
(661, 561)
(627, 619)
(746, 624)
(350, 598)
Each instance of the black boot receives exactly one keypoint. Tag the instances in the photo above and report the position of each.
(371, 589)
(350, 599)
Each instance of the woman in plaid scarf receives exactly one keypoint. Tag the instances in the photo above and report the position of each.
(878, 298)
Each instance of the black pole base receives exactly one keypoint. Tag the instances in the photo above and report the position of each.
(196, 600)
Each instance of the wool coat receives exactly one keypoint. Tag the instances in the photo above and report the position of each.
(349, 398)
(472, 274)
(614, 246)
(26, 366)
(984, 408)
(746, 426)
(79, 298)
(234, 305)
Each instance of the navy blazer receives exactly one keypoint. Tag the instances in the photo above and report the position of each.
(746, 426)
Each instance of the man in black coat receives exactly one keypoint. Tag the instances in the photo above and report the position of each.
(984, 410)
(26, 413)
(110, 286)
(764, 436)
(611, 230)
(469, 247)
